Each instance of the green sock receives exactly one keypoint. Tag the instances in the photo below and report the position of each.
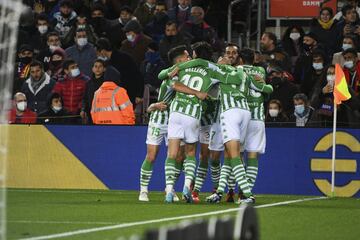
(145, 174)
(231, 181)
(215, 172)
(240, 176)
(201, 175)
(169, 173)
(190, 166)
(224, 175)
(252, 171)
(178, 168)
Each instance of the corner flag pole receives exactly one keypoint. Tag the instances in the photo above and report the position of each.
(333, 152)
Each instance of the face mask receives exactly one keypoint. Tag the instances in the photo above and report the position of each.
(349, 64)
(21, 106)
(25, 60)
(82, 26)
(273, 112)
(53, 48)
(195, 20)
(75, 72)
(56, 63)
(160, 16)
(346, 46)
(276, 81)
(42, 29)
(65, 15)
(131, 38)
(170, 38)
(330, 78)
(318, 66)
(307, 47)
(299, 109)
(82, 42)
(56, 108)
(294, 36)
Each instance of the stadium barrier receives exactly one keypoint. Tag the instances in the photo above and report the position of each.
(297, 161)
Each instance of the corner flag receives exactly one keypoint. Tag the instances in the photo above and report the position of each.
(341, 91)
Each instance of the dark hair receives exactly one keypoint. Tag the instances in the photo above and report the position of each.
(247, 55)
(319, 53)
(67, 3)
(176, 52)
(81, 30)
(36, 63)
(350, 50)
(346, 8)
(43, 17)
(352, 37)
(98, 7)
(126, 9)
(68, 62)
(51, 34)
(171, 22)
(327, 9)
(301, 96)
(203, 50)
(100, 61)
(276, 101)
(272, 37)
(103, 44)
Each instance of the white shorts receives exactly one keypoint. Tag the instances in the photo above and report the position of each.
(156, 133)
(183, 127)
(216, 139)
(204, 136)
(255, 140)
(234, 123)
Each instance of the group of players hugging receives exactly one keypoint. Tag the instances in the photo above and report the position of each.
(216, 104)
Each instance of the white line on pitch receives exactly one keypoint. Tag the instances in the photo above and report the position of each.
(61, 222)
(62, 191)
(132, 224)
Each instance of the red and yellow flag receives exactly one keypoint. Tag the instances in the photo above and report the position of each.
(341, 91)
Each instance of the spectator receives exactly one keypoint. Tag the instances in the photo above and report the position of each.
(39, 38)
(197, 30)
(55, 113)
(26, 26)
(316, 73)
(64, 19)
(37, 87)
(22, 67)
(348, 25)
(131, 79)
(181, 12)
(99, 23)
(20, 113)
(82, 52)
(51, 7)
(284, 90)
(292, 43)
(304, 115)
(352, 70)
(53, 42)
(116, 27)
(111, 96)
(232, 52)
(353, 3)
(172, 39)
(325, 29)
(136, 43)
(56, 65)
(156, 27)
(349, 41)
(95, 82)
(275, 116)
(72, 89)
(152, 66)
(81, 23)
(145, 12)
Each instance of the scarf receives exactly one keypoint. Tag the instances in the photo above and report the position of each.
(325, 25)
(36, 84)
(301, 119)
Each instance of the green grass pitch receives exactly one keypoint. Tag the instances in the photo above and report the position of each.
(33, 213)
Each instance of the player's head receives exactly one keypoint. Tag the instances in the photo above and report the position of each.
(232, 51)
(178, 54)
(247, 56)
(202, 50)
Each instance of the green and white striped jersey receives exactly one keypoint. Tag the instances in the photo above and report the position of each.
(255, 98)
(166, 94)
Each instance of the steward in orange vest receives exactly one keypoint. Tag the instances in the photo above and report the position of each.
(111, 104)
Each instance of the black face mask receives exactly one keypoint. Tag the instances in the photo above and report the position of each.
(25, 60)
(65, 15)
(161, 16)
(97, 21)
(170, 38)
(56, 63)
(307, 47)
(276, 81)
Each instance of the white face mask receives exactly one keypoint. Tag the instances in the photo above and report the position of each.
(82, 41)
(348, 64)
(43, 29)
(53, 48)
(346, 46)
(131, 38)
(273, 112)
(21, 106)
(318, 66)
(75, 72)
(299, 109)
(330, 77)
(57, 108)
(294, 36)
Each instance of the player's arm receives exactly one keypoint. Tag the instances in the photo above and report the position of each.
(157, 106)
(260, 86)
(164, 74)
(180, 87)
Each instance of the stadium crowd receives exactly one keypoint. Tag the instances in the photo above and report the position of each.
(69, 49)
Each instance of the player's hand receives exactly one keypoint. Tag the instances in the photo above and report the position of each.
(161, 106)
(201, 95)
(138, 100)
(174, 72)
(258, 78)
(223, 60)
